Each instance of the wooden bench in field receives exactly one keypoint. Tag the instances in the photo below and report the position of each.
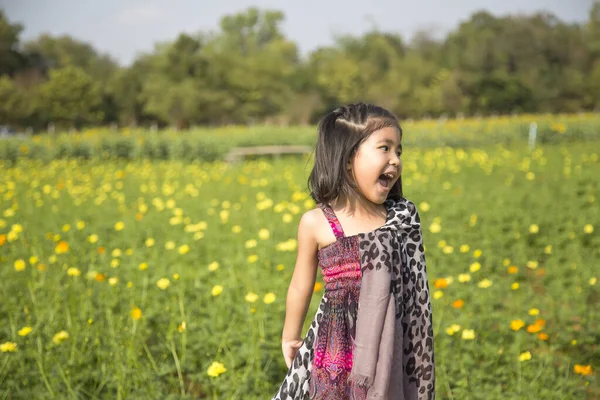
(237, 153)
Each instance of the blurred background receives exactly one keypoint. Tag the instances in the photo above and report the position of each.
(154, 159)
(185, 63)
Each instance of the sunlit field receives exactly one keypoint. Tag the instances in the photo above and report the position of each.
(167, 279)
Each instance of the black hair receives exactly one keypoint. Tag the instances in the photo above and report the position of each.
(340, 133)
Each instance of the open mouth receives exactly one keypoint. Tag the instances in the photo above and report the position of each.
(385, 180)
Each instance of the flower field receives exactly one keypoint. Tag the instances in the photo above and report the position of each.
(155, 279)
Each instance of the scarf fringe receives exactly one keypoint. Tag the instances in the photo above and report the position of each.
(363, 381)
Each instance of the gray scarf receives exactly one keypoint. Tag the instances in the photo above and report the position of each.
(394, 322)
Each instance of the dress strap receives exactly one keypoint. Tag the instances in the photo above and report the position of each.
(332, 219)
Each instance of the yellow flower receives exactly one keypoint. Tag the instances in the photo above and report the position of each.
(287, 218)
(534, 311)
(514, 285)
(143, 266)
(252, 258)
(452, 329)
(464, 248)
(113, 280)
(435, 227)
(213, 266)
(468, 334)
(93, 238)
(485, 283)
(149, 242)
(80, 225)
(182, 326)
(424, 206)
(8, 347)
(114, 263)
(60, 337)
(119, 226)
(264, 234)
(593, 281)
(525, 356)
(66, 228)
(26, 330)
(269, 298)
(19, 265)
(532, 264)
(216, 290)
(448, 249)
(438, 294)
(548, 249)
(582, 369)
(533, 228)
(163, 283)
(516, 324)
(136, 313)
(251, 297)
(462, 278)
(184, 249)
(33, 260)
(588, 228)
(250, 243)
(170, 245)
(216, 369)
(477, 253)
(475, 267)
(116, 253)
(176, 276)
(280, 267)
(73, 271)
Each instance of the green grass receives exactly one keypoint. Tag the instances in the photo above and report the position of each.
(483, 198)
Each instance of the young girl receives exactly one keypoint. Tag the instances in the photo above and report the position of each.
(372, 335)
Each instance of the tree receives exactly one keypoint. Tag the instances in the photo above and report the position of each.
(10, 58)
(70, 98)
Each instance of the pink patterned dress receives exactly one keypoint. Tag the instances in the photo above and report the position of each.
(321, 366)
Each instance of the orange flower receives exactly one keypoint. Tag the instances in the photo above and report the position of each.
(138, 217)
(2, 239)
(318, 286)
(582, 369)
(441, 283)
(540, 272)
(101, 250)
(458, 303)
(533, 328)
(540, 322)
(100, 277)
(513, 269)
(542, 336)
(62, 247)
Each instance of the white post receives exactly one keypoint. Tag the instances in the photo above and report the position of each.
(532, 135)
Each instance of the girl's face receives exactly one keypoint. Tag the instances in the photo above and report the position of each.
(376, 165)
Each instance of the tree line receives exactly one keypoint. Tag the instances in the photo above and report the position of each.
(249, 72)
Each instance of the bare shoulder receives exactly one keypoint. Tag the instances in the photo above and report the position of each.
(315, 224)
(310, 219)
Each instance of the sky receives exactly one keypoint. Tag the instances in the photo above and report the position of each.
(126, 28)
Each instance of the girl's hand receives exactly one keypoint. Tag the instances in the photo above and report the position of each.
(290, 348)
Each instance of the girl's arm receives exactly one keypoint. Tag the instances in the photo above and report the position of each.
(303, 279)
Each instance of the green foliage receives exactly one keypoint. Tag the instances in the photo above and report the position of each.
(248, 72)
(71, 98)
